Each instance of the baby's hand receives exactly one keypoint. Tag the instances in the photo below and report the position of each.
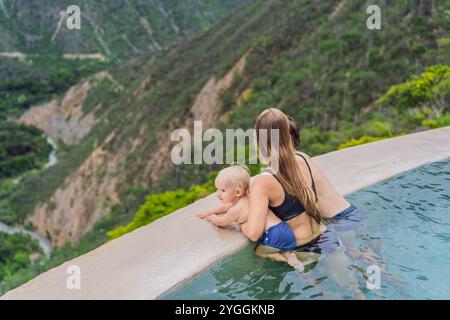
(216, 220)
(203, 215)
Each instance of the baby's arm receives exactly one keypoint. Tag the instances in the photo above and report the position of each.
(219, 210)
(231, 216)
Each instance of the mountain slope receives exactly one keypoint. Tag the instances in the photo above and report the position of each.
(317, 63)
(117, 28)
(40, 57)
(111, 165)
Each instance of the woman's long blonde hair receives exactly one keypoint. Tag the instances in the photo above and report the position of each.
(288, 172)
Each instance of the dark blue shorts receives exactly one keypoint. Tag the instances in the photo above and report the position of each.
(348, 219)
(279, 236)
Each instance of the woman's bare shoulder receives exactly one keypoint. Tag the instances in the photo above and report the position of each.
(263, 177)
(262, 181)
(305, 155)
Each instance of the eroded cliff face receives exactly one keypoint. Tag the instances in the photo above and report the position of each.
(87, 194)
(63, 119)
(91, 190)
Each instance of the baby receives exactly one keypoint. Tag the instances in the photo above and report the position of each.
(233, 185)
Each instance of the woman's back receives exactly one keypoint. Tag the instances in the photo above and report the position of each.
(330, 202)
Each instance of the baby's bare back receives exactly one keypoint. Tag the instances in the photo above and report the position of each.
(243, 206)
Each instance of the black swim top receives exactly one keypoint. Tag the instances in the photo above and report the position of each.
(291, 206)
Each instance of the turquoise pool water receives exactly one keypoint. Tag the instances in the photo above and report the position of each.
(407, 223)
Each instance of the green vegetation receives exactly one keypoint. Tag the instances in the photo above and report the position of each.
(431, 88)
(362, 140)
(420, 103)
(22, 148)
(15, 262)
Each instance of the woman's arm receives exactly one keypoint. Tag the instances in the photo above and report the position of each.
(259, 204)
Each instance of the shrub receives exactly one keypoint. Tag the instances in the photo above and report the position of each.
(439, 121)
(431, 87)
(364, 139)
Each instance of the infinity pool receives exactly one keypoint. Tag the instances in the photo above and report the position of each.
(407, 225)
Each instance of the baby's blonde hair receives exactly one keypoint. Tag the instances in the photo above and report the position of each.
(238, 174)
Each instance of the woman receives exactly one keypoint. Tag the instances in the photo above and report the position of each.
(299, 194)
